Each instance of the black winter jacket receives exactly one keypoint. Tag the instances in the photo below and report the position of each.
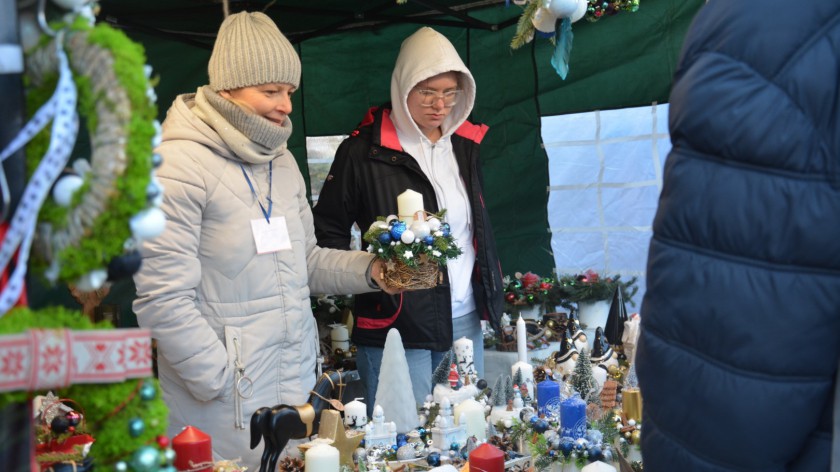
(368, 173)
(740, 338)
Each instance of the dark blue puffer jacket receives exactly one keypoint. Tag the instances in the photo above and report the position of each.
(740, 340)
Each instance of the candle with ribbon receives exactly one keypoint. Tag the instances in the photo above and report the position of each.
(409, 203)
(355, 414)
(487, 458)
(470, 414)
(339, 337)
(573, 417)
(321, 458)
(193, 450)
(548, 398)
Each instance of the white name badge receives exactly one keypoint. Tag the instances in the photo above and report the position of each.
(271, 237)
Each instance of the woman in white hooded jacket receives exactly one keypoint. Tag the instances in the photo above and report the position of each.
(225, 289)
(422, 142)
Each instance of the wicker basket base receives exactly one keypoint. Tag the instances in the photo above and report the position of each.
(425, 275)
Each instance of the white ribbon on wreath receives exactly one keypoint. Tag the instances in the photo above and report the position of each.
(61, 109)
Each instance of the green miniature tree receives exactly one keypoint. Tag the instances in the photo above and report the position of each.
(441, 374)
(582, 379)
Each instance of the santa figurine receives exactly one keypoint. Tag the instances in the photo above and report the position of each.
(454, 378)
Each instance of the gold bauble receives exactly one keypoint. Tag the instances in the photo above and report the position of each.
(636, 437)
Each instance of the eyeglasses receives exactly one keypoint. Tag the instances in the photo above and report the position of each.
(429, 97)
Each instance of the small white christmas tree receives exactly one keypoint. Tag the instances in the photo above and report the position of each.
(582, 379)
(394, 392)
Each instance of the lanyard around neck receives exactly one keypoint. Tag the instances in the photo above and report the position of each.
(267, 214)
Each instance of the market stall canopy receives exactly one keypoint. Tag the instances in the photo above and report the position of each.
(196, 21)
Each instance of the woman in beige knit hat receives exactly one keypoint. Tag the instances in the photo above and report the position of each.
(225, 289)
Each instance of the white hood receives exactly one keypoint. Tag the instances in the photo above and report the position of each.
(425, 54)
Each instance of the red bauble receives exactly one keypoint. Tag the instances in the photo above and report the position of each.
(162, 441)
(510, 296)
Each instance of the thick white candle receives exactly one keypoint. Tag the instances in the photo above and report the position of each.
(464, 355)
(470, 413)
(321, 458)
(355, 414)
(339, 337)
(408, 204)
(521, 340)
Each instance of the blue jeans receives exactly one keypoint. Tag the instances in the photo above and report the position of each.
(421, 362)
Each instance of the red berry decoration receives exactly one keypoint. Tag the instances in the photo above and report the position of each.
(162, 441)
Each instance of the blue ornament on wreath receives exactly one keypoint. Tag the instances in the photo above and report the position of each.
(433, 459)
(445, 229)
(541, 426)
(147, 391)
(566, 445)
(397, 229)
(385, 237)
(429, 240)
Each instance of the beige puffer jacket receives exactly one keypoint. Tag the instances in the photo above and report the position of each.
(211, 301)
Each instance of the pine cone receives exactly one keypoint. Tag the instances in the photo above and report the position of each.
(290, 464)
(539, 374)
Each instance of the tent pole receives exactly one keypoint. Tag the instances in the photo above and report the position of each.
(11, 101)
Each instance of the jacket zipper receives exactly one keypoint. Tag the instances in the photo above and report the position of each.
(243, 387)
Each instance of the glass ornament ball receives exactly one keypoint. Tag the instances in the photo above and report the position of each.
(407, 236)
(121, 466)
(60, 424)
(162, 441)
(145, 459)
(445, 228)
(136, 426)
(421, 229)
(397, 229)
(74, 418)
(429, 240)
(169, 454)
(385, 238)
(433, 459)
(148, 391)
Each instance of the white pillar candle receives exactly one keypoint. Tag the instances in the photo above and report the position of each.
(321, 458)
(408, 204)
(339, 337)
(355, 414)
(470, 413)
(464, 355)
(521, 340)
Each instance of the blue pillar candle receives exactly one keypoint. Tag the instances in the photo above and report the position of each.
(548, 398)
(573, 417)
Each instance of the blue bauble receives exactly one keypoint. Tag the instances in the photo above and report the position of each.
(595, 454)
(433, 459)
(136, 426)
(168, 468)
(541, 426)
(401, 437)
(445, 229)
(534, 419)
(454, 446)
(422, 432)
(145, 459)
(397, 229)
(429, 240)
(385, 237)
(566, 445)
(121, 466)
(148, 391)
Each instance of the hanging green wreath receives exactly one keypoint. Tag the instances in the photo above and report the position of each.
(109, 409)
(117, 104)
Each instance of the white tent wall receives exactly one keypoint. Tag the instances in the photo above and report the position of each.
(605, 176)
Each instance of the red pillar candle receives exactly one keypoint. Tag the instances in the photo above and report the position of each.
(193, 450)
(487, 458)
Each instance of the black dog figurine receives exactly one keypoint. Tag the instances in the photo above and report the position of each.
(278, 424)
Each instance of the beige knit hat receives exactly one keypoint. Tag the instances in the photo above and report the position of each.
(250, 50)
